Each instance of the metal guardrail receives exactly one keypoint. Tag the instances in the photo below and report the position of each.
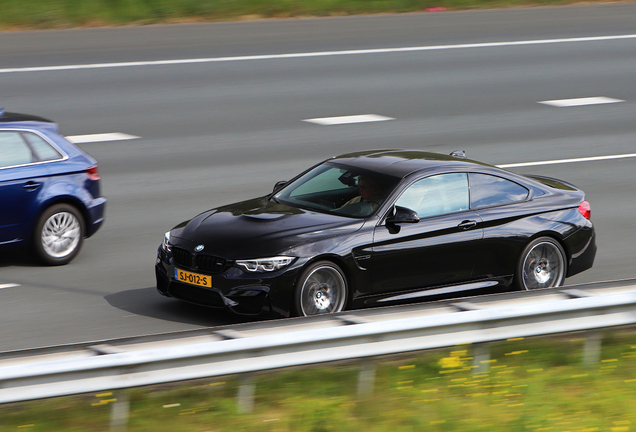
(337, 337)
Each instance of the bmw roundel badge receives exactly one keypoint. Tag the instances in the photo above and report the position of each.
(199, 248)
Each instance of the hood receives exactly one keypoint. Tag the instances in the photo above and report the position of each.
(260, 228)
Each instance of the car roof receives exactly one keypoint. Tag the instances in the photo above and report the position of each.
(17, 121)
(10, 117)
(400, 163)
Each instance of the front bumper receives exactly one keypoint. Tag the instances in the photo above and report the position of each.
(241, 293)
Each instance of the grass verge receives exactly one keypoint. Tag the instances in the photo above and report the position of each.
(46, 14)
(532, 385)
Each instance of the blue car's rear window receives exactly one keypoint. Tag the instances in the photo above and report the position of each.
(43, 149)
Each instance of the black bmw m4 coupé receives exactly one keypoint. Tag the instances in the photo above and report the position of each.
(379, 228)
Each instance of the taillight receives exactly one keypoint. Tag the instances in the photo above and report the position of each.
(584, 209)
(93, 173)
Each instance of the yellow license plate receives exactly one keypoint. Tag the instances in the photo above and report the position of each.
(193, 278)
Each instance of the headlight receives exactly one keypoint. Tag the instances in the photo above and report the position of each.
(165, 245)
(265, 264)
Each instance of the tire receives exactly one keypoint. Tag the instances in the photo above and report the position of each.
(321, 288)
(58, 235)
(541, 265)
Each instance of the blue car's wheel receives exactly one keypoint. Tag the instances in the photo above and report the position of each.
(58, 234)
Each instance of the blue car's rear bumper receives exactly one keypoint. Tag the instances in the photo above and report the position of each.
(95, 216)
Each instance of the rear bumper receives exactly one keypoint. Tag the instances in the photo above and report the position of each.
(96, 214)
(582, 250)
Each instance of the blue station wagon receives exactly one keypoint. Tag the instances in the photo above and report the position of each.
(50, 197)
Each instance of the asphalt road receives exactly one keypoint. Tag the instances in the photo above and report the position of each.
(225, 128)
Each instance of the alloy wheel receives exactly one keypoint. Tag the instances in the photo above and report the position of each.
(543, 266)
(323, 291)
(61, 234)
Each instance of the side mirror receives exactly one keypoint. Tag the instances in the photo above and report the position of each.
(403, 215)
(279, 185)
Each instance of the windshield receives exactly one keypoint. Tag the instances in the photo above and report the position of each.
(337, 189)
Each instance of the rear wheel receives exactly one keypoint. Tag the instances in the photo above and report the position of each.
(322, 288)
(58, 235)
(541, 265)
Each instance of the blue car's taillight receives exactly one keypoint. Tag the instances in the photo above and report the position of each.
(93, 173)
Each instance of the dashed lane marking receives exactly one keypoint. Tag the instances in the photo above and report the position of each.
(562, 103)
(9, 285)
(364, 118)
(116, 136)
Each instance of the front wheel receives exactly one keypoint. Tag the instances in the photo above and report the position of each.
(322, 288)
(58, 234)
(541, 265)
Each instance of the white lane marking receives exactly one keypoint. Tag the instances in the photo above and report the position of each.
(9, 285)
(562, 161)
(316, 54)
(363, 118)
(116, 136)
(581, 101)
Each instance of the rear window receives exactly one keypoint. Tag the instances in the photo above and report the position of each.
(487, 190)
(43, 150)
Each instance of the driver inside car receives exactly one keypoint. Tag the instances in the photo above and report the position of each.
(370, 192)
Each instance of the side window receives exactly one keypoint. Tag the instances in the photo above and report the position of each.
(487, 190)
(13, 150)
(42, 149)
(436, 195)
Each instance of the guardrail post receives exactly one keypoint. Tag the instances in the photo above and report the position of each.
(592, 348)
(481, 359)
(366, 378)
(119, 412)
(246, 390)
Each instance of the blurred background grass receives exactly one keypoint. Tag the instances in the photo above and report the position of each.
(47, 14)
(532, 385)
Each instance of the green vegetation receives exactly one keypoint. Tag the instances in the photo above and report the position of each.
(28, 14)
(537, 385)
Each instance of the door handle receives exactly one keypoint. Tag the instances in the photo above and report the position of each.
(31, 185)
(467, 224)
